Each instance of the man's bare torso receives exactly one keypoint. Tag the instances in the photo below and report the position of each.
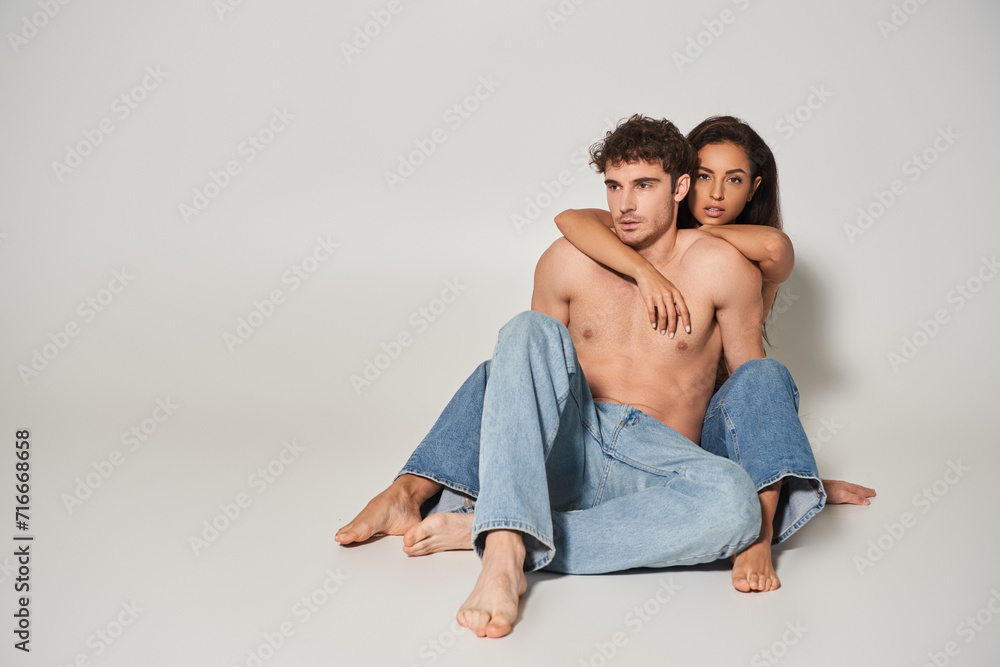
(626, 361)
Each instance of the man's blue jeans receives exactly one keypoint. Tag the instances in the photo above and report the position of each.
(599, 487)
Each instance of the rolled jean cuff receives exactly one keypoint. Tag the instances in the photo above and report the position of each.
(538, 549)
(801, 499)
(454, 486)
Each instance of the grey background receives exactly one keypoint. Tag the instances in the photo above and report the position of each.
(558, 79)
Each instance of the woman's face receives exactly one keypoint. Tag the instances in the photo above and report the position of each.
(721, 185)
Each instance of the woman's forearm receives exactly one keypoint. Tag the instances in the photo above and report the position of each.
(589, 230)
(770, 248)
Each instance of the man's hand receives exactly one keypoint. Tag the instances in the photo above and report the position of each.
(846, 493)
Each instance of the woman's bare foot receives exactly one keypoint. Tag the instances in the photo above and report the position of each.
(392, 512)
(753, 569)
(491, 609)
(439, 532)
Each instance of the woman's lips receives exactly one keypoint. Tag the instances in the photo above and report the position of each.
(714, 211)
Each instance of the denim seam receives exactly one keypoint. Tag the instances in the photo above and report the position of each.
(659, 472)
(609, 458)
(732, 434)
(591, 428)
(716, 555)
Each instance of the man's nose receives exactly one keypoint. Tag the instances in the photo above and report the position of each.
(627, 201)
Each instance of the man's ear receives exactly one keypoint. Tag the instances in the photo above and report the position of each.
(753, 189)
(681, 187)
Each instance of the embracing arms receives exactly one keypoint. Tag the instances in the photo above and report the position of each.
(590, 230)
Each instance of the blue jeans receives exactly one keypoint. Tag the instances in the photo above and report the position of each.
(592, 487)
(751, 420)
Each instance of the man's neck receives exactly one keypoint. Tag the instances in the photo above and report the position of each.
(663, 250)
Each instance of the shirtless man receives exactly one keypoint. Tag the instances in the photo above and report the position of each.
(602, 473)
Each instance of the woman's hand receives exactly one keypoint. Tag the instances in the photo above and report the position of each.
(664, 302)
(846, 493)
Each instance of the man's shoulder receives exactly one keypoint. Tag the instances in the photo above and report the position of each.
(564, 254)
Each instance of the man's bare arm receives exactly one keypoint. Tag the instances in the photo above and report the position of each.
(738, 303)
(551, 294)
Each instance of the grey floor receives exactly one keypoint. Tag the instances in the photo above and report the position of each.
(202, 533)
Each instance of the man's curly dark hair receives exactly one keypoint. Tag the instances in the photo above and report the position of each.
(646, 139)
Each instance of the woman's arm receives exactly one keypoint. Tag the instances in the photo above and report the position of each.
(770, 248)
(590, 230)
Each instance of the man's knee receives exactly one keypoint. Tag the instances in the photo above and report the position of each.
(532, 325)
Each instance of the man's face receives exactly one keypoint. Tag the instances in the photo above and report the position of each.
(642, 201)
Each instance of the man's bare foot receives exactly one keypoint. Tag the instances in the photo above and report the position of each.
(439, 532)
(491, 609)
(753, 569)
(392, 512)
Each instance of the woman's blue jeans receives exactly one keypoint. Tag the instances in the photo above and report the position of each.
(599, 487)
